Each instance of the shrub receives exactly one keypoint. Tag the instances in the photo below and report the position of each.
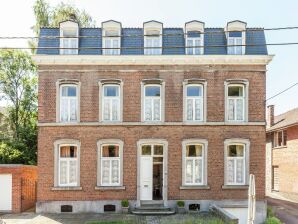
(9, 154)
(270, 212)
(180, 203)
(124, 203)
(272, 220)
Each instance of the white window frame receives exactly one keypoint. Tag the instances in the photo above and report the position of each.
(204, 144)
(194, 26)
(236, 26)
(194, 98)
(111, 104)
(66, 26)
(144, 97)
(57, 145)
(193, 46)
(106, 142)
(111, 40)
(150, 27)
(246, 145)
(275, 139)
(68, 98)
(232, 50)
(245, 85)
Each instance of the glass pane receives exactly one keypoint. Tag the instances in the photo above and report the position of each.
(239, 109)
(194, 91)
(73, 109)
(70, 33)
(146, 150)
(63, 172)
(231, 109)
(239, 170)
(152, 90)
(158, 150)
(231, 168)
(193, 150)
(158, 159)
(111, 90)
(189, 109)
(64, 110)
(68, 151)
(156, 109)
(105, 172)
(110, 151)
(189, 171)
(148, 110)
(72, 172)
(235, 91)
(106, 109)
(115, 110)
(235, 150)
(198, 171)
(69, 90)
(198, 109)
(115, 171)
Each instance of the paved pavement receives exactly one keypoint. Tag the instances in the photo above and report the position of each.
(32, 218)
(286, 211)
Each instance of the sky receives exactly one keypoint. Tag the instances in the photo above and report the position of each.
(16, 19)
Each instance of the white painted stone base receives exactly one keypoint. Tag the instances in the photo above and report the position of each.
(98, 206)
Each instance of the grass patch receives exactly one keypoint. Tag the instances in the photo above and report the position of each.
(110, 222)
(271, 218)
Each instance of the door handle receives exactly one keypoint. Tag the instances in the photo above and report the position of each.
(146, 185)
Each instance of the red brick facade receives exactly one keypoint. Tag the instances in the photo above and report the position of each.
(23, 196)
(90, 131)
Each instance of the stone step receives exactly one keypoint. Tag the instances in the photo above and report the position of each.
(152, 210)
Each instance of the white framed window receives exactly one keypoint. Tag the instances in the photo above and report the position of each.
(236, 164)
(69, 41)
(68, 165)
(110, 165)
(111, 102)
(152, 38)
(194, 162)
(111, 40)
(69, 103)
(194, 102)
(152, 102)
(236, 35)
(194, 43)
(235, 38)
(280, 138)
(236, 102)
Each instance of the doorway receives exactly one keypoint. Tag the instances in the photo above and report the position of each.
(152, 172)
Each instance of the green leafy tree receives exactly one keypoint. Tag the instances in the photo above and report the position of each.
(18, 84)
(45, 15)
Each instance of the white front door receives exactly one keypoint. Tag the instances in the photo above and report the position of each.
(146, 177)
(5, 192)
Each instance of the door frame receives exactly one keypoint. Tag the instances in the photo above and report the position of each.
(165, 167)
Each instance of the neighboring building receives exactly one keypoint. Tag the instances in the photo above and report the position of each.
(145, 123)
(282, 154)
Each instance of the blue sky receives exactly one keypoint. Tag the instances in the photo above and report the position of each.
(16, 18)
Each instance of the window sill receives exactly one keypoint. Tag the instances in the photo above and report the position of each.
(197, 187)
(227, 187)
(280, 147)
(108, 188)
(67, 188)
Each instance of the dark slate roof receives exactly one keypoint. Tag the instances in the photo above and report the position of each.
(284, 120)
(253, 37)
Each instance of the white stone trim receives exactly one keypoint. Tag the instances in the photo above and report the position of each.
(165, 167)
(101, 83)
(152, 59)
(100, 143)
(203, 142)
(57, 144)
(232, 141)
(202, 82)
(245, 84)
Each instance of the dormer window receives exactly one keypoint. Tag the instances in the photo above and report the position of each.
(236, 37)
(194, 39)
(69, 32)
(152, 38)
(111, 41)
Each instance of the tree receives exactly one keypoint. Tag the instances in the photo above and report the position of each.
(52, 16)
(18, 84)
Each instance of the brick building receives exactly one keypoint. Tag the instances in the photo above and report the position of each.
(150, 114)
(282, 154)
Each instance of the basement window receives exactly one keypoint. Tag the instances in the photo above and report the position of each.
(194, 207)
(109, 208)
(66, 208)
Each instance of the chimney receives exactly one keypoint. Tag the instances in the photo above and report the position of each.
(270, 116)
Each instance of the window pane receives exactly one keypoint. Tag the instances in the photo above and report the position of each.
(189, 171)
(198, 109)
(156, 109)
(64, 109)
(158, 150)
(111, 90)
(194, 91)
(146, 149)
(193, 150)
(106, 109)
(239, 170)
(68, 151)
(63, 172)
(235, 34)
(111, 33)
(72, 172)
(235, 91)
(236, 150)
(231, 171)
(115, 171)
(148, 109)
(115, 110)
(284, 137)
(105, 172)
(157, 159)
(152, 90)
(231, 109)
(73, 109)
(239, 109)
(110, 151)
(198, 171)
(70, 33)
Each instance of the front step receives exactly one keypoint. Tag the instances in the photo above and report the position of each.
(153, 208)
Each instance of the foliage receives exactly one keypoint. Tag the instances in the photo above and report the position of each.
(272, 220)
(180, 203)
(270, 212)
(9, 154)
(45, 15)
(18, 84)
(124, 203)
